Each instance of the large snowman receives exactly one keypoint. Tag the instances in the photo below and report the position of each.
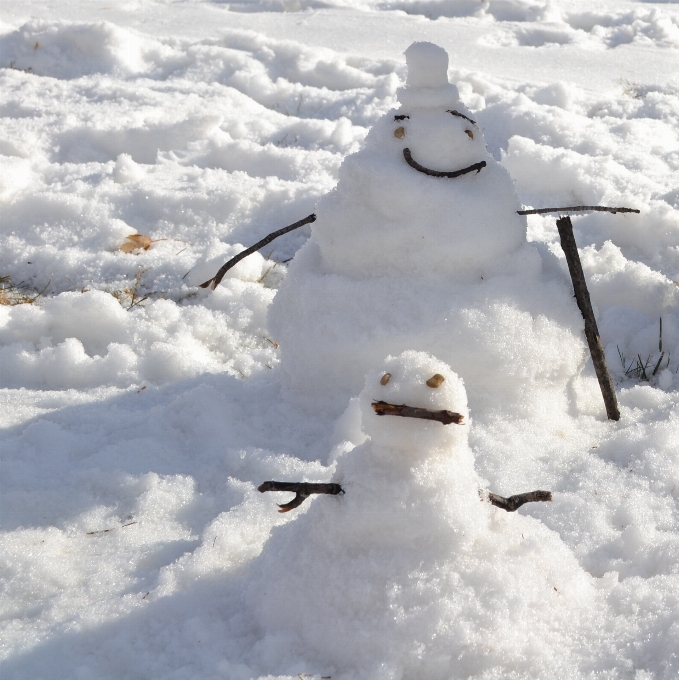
(412, 573)
(419, 247)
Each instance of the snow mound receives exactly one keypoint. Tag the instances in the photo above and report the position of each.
(67, 50)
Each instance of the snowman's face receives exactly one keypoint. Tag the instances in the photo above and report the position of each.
(414, 403)
(440, 141)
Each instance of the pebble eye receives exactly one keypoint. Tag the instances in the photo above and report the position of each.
(385, 378)
(470, 134)
(399, 132)
(435, 381)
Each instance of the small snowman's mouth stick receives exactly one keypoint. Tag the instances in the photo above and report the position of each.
(513, 503)
(437, 173)
(302, 490)
(382, 408)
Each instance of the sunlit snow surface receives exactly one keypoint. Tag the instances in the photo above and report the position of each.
(140, 412)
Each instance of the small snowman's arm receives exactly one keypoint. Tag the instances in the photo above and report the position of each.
(302, 490)
(513, 503)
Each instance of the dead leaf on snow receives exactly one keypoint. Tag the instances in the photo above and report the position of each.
(136, 242)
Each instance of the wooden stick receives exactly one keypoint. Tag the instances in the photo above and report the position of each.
(436, 173)
(515, 502)
(382, 408)
(570, 250)
(461, 115)
(217, 278)
(302, 490)
(577, 208)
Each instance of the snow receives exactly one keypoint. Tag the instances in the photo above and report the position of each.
(140, 412)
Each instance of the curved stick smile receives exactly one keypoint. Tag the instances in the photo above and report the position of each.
(437, 173)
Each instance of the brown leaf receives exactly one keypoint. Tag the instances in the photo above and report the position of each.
(136, 242)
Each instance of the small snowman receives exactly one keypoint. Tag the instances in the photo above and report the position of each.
(410, 574)
(420, 247)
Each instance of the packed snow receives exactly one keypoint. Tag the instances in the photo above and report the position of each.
(141, 412)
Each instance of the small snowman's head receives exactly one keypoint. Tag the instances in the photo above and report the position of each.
(416, 403)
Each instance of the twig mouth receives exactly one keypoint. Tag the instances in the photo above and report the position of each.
(382, 408)
(438, 173)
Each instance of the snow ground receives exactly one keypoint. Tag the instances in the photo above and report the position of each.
(140, 412)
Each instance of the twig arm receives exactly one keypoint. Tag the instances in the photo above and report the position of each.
(577, 208)
(513, 503)
(596, 349)
(302, 491)
(217, 278)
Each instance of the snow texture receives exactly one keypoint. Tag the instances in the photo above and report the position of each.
(140, 413)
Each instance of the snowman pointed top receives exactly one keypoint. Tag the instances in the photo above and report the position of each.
(427, 85)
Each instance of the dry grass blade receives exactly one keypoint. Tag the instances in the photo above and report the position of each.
(11, 295)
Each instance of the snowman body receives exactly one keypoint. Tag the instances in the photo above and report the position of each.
(411, 574)
(399, 259)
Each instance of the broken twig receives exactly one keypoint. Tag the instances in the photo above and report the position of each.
(437, 173)
(515, 502)
(570, 250)
(382, 408)
(217, 278)
(577, 208)
(461, 115)
(302, 490)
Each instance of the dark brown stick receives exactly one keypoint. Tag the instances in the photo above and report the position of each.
(514, 502)
(461, 115)
(570, 250)
(577, 208)
(382, 408)
(217, 278)
(436, 173)
(302, 490)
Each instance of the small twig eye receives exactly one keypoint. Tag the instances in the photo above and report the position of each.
(435, 381)
(470, 134)
(385, 378)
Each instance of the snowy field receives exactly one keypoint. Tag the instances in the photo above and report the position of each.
(140, 412)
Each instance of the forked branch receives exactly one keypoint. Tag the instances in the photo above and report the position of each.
(217, 278)
(515, 502)
(596, 349)
(302, 491)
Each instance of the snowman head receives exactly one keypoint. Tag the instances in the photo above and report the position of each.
(415, 403)
(432, 124)
(427, 84)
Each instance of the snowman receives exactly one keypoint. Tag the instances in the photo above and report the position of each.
(410, 574)
(419, 247)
